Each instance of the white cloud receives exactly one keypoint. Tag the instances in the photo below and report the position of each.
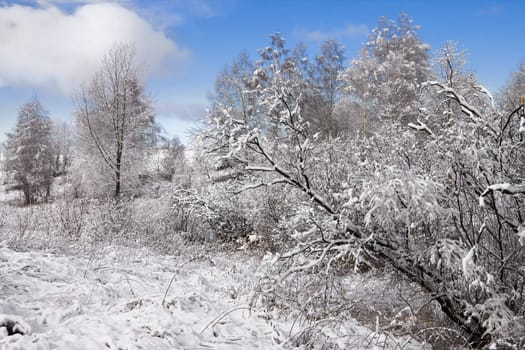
(46, 47)
(492, 10)
(350, 31)
(46, 3)
(182, 111)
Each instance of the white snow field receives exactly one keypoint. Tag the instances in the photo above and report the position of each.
(114, 300)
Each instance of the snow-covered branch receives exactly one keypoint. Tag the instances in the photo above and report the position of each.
(420, 126)
(262, 184)
(466, 108)
(504, 188)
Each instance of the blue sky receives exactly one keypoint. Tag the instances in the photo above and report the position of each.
(48, 47)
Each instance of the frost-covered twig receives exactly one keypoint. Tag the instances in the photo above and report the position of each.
(434, 330)
(193, 258)
(221, 316)
(520, 112)
(130, 287)
(331, 245)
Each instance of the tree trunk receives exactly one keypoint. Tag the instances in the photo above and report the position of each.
(118, 165)
(117, 181)
(117, 188)
(27, 194)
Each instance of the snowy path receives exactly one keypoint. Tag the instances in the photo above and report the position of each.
(115, 302)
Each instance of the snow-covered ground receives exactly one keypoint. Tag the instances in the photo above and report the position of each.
(121, 298)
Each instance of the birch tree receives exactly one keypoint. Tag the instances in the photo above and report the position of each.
(114, 117)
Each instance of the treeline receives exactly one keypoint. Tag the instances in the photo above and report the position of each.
(113, 149)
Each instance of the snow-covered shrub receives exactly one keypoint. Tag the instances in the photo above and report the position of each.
(406, 195)
(206, 219)
(69, 216)
(153, 223)
(269, 212)
(139, 222)
(228, 219)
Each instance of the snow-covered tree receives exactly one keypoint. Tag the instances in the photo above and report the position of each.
(450, 63)
(510, 96)
(230, 86)
(61, 144)
(385, 81)
(115, 120)
(323, 78)
(173, 162)
(29, 157)
(451, 71)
